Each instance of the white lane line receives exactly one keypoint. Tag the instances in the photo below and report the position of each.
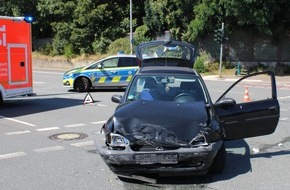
(98, 122)
(18, 121)
(102, 105)
(285, 97)
(284, 119)
(47, 129)
(35, 82)
(49, 149)
(49, 72)
(12, 155)
(17, 133)
(80, 144)
(75, 125)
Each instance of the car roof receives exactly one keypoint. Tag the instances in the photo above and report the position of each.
(167, 70)
(120, 55)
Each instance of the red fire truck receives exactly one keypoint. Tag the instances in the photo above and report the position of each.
(15, 57)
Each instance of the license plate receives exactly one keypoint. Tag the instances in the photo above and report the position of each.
(145, 159)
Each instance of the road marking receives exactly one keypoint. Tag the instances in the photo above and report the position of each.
(283, 118)
(80, 144)
(47, 129)
(49, 149)
(18, 121)
(102, 105)
(35, 82)
(285, 97)
(98, 122)
(48, 72)
(17, 132)
(12, 155)
(75, 125)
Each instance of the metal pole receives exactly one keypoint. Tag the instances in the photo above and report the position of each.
(221, 51)
(131, 32)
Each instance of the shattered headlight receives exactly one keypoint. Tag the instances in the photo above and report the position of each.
(118, 141)
(199, 140)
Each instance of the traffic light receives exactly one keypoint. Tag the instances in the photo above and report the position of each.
(219, 35)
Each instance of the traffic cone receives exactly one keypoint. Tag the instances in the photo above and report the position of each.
(246, 95)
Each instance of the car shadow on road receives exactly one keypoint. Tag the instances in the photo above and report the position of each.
(101, 90)
(20, 107)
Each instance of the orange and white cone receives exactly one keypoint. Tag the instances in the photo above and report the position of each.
(246, 95)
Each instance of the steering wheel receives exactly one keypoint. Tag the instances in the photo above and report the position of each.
(184, 97)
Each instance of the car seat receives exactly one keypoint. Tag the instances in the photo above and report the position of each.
(149, 91)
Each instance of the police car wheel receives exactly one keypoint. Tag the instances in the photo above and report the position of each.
(82, 84)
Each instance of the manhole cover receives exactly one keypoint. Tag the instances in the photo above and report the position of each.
(68, 136)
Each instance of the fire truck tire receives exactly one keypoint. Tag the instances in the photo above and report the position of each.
(82, 84)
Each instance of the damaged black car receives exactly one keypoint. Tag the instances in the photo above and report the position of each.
(166, 122)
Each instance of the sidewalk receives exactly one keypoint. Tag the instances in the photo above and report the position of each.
(279, 79)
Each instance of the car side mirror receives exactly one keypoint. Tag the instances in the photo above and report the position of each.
(116, 98)
(100, 66)
(224, 103)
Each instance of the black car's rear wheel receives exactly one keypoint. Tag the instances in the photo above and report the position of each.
(219, 161)
(82, 84)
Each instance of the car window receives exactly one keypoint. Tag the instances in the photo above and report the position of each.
(166, 88)
(110, 63)
(94, 65)
(127, 62)
(253, 88)
(168, 51)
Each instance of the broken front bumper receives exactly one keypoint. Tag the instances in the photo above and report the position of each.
(192, 161)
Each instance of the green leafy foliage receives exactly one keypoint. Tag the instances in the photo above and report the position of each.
(142, 34)
(199, 65)
(119, 45)
(88, 27)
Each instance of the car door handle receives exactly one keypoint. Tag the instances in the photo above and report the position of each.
(273, 108)
(113, 71)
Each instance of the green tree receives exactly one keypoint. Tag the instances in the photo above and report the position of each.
(265, 16)
(142, 34)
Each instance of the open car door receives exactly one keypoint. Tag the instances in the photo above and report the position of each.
(249, 107)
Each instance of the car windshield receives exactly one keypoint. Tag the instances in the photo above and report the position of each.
(167, 88)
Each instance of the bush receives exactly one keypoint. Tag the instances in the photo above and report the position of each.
(68, 51)
(199, 65)
(202, 62)
(121, 44)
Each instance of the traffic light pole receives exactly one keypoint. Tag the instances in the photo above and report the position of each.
(221, 53)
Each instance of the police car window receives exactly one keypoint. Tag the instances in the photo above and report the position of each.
(110, 63)
(93, 66)
(127, 62)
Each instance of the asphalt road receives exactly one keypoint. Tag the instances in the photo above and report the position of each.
(32, 156)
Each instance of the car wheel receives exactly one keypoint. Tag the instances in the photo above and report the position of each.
(219, 162)
(1, 99)
(82, 84)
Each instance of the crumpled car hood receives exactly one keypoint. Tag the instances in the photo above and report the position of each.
(159, 123)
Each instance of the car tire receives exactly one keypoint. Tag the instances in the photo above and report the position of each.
(1, 99)
(82, 85)
(219, 162)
